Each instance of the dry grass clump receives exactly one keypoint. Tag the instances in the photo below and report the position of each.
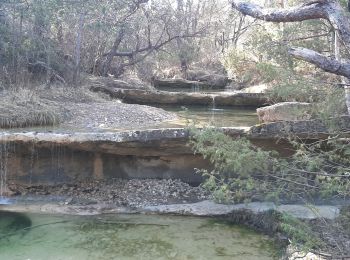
(24, 108)
(40, 106)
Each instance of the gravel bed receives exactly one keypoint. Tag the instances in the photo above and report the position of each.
(114, 115)
(129, 193)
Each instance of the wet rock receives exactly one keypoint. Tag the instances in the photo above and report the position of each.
(210, 208)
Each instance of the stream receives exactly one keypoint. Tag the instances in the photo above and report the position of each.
(63, 237)
(54, 237)
(214, 115)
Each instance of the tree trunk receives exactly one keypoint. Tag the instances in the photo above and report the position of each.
(107, 64)
(79, 40)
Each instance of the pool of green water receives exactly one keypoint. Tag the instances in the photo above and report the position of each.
(198, 115)
(194, 89)
(58, 237)
(218, 116)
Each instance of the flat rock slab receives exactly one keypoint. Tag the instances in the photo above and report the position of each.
(75, 210)
(204, 209)
(285, 111)
(178, 83)
(169, 141)
(209, 208)
(180, 98)
(306, 129)
(153, 142)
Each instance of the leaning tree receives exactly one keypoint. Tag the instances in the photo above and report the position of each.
(330, 10)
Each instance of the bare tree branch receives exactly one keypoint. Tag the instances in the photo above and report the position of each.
(159, 44)
(327, 64)
(315, 10)
(326, 9)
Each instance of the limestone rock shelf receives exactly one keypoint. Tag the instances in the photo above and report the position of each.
(181, 98)
(203, 208)
(50, 157)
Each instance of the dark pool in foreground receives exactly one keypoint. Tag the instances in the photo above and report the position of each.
(54, 237)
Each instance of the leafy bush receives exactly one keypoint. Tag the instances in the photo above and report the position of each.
(244, 172)
(232, 177)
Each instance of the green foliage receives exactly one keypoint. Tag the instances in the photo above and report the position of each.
(299, 233)
(237, 64)
(230, 157)
(243, 172)
(232, 177)
(344, 218)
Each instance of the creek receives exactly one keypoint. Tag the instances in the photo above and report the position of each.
(54, 237)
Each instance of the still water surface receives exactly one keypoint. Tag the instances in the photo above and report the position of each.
(55, 237)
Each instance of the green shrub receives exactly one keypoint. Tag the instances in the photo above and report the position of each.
(243, 172)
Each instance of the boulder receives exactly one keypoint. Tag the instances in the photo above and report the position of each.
(285, 111)
(262, 88)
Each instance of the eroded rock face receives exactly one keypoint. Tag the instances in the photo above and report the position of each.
(61, 164)
(285, 111)
(50, 157)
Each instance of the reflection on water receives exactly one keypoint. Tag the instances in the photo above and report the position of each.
(193, 89)
(200, 115)
(4, 201)
(215, 116)
(126, 237)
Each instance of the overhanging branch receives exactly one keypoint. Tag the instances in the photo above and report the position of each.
(327, 64)
(153, 47)
(314, 10)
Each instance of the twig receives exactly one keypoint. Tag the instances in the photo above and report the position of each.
(133, 224)
(32, 227)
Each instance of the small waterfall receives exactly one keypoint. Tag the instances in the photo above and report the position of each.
(58, 153)
(213, 108)
(213, 102)
(196, 88)
(32, 160)
(4, 154)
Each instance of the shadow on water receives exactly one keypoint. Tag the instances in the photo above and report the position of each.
(13, 223)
